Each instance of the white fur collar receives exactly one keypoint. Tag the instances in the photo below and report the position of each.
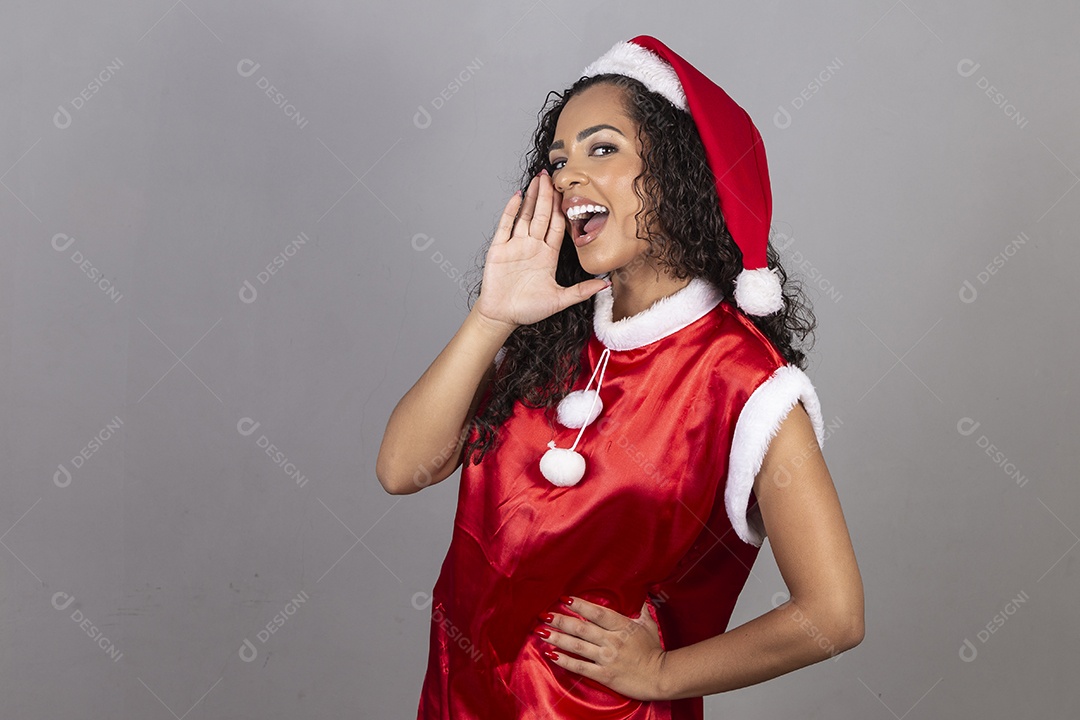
(662, 318)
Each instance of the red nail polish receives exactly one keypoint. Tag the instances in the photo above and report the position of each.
(567, 600)
(542, 632)
(551, 654)
(547, 617)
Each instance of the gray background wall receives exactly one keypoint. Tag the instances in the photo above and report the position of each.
(148, 179)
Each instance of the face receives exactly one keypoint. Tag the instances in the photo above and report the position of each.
(595, 156)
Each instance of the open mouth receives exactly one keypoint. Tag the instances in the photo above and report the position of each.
(586, 224)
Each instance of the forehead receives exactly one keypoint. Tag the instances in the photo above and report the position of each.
(603, 103)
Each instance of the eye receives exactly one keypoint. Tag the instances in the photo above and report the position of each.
(553, 165)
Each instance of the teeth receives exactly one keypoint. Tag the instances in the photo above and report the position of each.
(575, 212)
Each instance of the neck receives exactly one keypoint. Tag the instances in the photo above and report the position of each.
(633, 294)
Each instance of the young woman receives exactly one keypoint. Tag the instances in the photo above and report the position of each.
(632, 418)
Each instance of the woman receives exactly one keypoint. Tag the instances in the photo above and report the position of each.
(635, 421)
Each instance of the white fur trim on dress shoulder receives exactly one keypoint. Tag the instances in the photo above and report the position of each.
(757, 425)
(643, 65)
(665, 316)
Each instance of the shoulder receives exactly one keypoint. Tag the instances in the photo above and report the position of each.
(738, 349)
(759, 388)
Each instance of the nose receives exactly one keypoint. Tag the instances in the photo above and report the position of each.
(567, 176)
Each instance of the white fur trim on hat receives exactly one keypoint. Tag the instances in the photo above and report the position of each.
(757, 425)
(757, 292)
(643, 65)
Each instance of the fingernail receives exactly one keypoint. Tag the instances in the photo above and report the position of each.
(551, 654)
(567, 600)
(542, 632)
(544, 171)
(547, 617)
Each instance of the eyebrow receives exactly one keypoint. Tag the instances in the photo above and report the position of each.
(558, 144)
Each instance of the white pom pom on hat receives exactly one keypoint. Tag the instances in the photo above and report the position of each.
(733, 148)
(758, 292)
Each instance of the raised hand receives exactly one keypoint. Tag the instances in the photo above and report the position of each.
(519, 286)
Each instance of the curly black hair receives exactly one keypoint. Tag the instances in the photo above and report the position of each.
(542, 360)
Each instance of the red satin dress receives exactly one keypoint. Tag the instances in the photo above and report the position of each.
(651, 519)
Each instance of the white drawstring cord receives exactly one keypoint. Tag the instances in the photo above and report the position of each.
(601, 367)
(566, 467)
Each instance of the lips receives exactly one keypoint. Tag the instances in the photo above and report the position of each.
(592, 228)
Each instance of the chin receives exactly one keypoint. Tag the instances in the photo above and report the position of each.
(594, 266)
(609, 254)
(606, 264)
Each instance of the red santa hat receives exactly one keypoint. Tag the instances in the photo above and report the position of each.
(733, 148)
